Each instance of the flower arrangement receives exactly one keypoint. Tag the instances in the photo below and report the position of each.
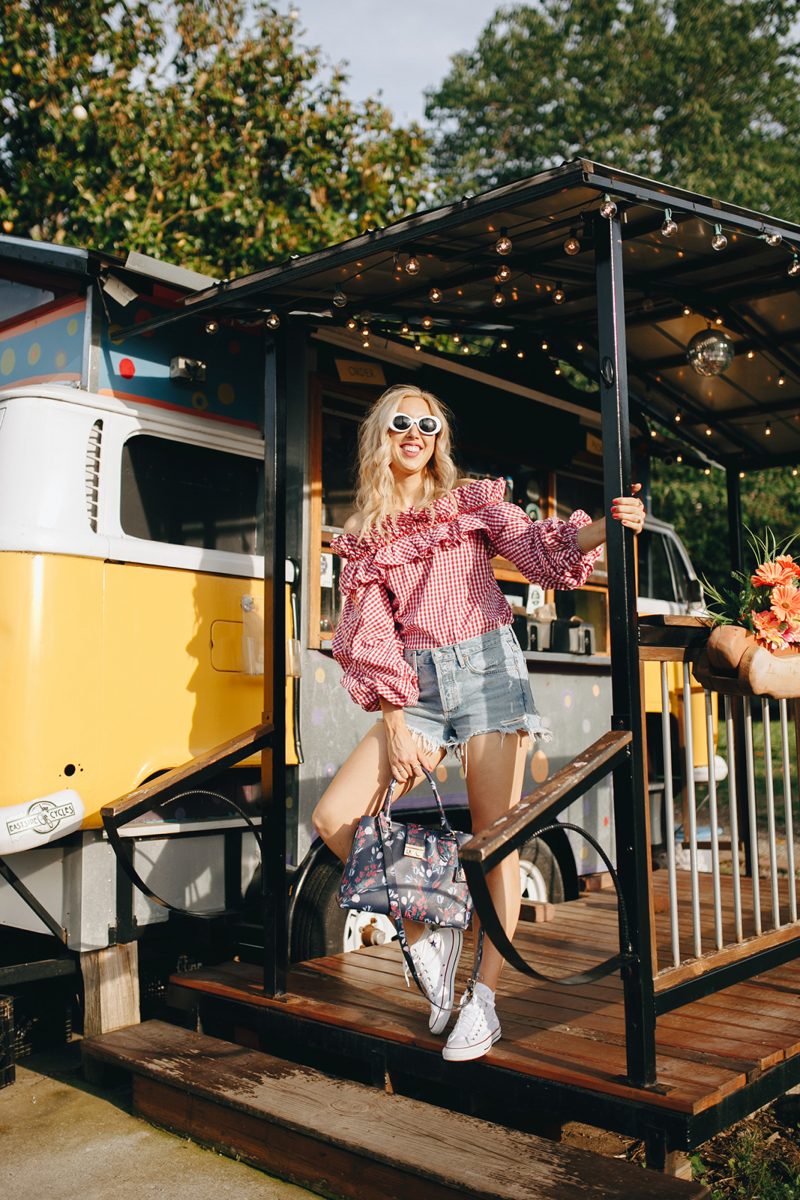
(766, 602)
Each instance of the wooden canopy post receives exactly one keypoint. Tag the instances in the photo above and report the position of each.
(273, 768)
(630, 793)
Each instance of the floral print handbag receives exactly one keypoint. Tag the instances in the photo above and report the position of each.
(407, 870)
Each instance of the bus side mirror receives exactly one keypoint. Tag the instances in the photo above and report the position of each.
(694, 592)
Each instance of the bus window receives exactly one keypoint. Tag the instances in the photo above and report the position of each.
(191, 495)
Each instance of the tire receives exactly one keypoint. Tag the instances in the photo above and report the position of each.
(540, 873)
(321, 927)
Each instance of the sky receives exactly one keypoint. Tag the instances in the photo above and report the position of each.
(398, 48)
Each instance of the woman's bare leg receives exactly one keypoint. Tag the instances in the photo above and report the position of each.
(495, 768)
(359, 787)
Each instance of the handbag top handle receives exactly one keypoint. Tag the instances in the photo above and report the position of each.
(387, 804)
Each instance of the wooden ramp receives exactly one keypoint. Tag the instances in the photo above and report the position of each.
(344, 1139)
(562, 1049)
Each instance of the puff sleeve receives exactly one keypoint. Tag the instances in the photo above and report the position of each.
(546, 552)
(366, 643)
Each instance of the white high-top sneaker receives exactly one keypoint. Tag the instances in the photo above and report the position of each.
(477, 1028)
(436, 956)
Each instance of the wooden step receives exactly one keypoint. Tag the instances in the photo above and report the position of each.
(344, 1139)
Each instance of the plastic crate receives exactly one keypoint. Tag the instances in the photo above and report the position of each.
(7, 1070)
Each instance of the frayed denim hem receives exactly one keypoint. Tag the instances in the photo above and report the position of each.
(527, 725)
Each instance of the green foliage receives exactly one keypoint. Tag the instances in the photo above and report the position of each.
(199, 130)
(701, 95)
(696, 505)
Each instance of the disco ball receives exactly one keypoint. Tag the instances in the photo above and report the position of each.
(710, 353)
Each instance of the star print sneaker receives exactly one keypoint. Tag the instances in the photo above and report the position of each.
(477, 1028)
(436, 956)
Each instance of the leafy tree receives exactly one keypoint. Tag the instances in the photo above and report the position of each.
(704, 96)
(696, 505)
(199, 130)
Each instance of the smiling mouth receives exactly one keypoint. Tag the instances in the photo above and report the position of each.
(412, 448)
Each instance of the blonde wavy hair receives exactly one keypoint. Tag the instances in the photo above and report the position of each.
(376, 499)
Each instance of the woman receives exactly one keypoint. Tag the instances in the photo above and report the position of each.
(425, 638)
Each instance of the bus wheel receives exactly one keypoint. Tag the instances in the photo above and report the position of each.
(539, 873)
(321, 927)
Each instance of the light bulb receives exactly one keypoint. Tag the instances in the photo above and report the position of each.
(687, 312)
(520, 354)
(557, 371)
(503, 245)
(412, 264)
(545, 346)
(768, 430)
(794, 471)
(572, 244)
(794, 267)
(273, 320)
(465, 349)
(579, 347)
(679, 458)
(503, 273)
(707, 471)
(653, 433)
(558, 295)
(351, 323)
(365, 344)
(677, 418)
(741, 474)
(212, 326)
(751, 354)
(608, 208)
(504, 344)
(427, 322)
(435, 295)
(457, 338)
(365, 331)
(773, 239)
(670, 227)
(417, 346)
(709, 431)
(498, 299)
(718, 241)
(781, 381)
(339, 298)
(404, 328)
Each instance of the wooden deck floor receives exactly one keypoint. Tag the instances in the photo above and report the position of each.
(570, 1037)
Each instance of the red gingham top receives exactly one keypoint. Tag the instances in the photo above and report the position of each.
(427, 581)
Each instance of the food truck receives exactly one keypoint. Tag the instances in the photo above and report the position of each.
(178, 594)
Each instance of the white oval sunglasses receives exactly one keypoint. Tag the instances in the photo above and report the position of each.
(428, 426)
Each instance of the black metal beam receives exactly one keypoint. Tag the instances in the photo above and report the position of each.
(711, 982)
(273, 774)
(630, 792)
(734, 519)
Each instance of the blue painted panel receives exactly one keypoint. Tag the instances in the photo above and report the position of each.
(46, 348)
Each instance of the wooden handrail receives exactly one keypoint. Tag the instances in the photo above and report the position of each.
(142, 799)
(509, 831)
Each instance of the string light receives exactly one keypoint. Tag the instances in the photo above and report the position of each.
(557, 371)
(365, 331)
(679, 458)
(503, 344)
(465, 349)
(412, 264)
(767, 430)
(707, 471)
(718, 241)
(435, 295)
(273, 321)
(427, 322)
(741, 474)
(709, 431)
(773, 239)
(670, 227)
(572, 244)
(559, 295)
(417, 346)
(503, 245)
(678, 417)
(545, 346)
(794, 471)
(503, 273)
(781, 381)
(520, 354)
(352, 324)
(751, 354)
(365, 344)
(687, 312)
(653, 433)
(457, 338)
(608, 208)
(794, 267)
(498, 299)
(579, 347)
(212, 326)
(404, 328)
(339, 298)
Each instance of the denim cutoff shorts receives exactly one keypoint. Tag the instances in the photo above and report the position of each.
(476, 686)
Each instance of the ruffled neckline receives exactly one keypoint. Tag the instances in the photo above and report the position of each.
(458, 503)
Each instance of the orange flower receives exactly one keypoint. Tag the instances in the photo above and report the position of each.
(768, 628)
(786, 560)
(772, 574)
(785, 601)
